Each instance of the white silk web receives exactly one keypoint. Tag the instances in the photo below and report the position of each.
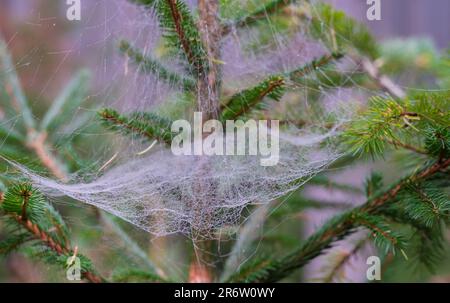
(162, 193)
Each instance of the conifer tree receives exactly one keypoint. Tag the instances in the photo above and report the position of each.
(405, 215)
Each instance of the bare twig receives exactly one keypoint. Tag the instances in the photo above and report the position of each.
(210, 32)
(208, 104)
(13, 86)
(37, 142)
(344, 259)
(382, 80)
(407, 146)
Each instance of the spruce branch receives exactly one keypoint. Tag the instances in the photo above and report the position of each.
(426, 204)
(147, 125)
(397, 143)
(343, 33)
(27, 207)
(384, 237)
(273, 87)
(37, 142)
(272, 7)
(248, 99)
(388, 121)
(334, 230)
(427, 241)
(148, 65)
(182, 22)
(338, 31)
(319, 63)
(180, 31)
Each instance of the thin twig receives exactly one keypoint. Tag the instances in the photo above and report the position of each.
(382, 80)
(38, 143)
(54, 245)
(346, 256)
(210, 33)
(407, 146)
(13, 86)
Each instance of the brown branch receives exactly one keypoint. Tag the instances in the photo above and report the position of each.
(382, 80)
(37, 143)
(114, 120)
(210, 33)
(345, 258)
(54, 245)
(208, 104)
(185, 44)
(316, 64)
(48, 240)
(378, 230)
(273, 85)
(26, 200)
(424, 174)
(39, 146)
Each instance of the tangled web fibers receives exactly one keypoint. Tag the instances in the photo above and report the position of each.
(195, 195)
(163, 193)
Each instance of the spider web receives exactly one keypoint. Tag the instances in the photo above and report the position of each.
(162, 193)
